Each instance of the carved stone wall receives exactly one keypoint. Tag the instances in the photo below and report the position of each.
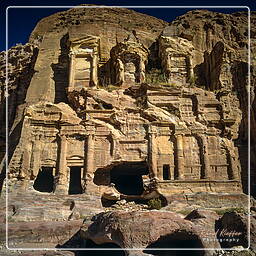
(182, 137)
(129, 59)
(182, 146)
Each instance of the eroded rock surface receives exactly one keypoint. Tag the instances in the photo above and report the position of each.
(135, 109)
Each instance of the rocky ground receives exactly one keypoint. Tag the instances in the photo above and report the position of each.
(71, 221)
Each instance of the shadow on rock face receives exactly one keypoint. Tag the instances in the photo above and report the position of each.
(102, 250)
(176, 240)
(77, 242)
(232, 230)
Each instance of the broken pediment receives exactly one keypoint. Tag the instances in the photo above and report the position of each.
(85, 44)
(129, 59)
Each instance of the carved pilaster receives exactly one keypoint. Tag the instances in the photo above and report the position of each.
(94, 71)
(232, 160)
(71, 70)
(190, 67)
(61, 181)
(152, 152)
(180, 157)
(25, 166)
(233, 165)
(36, 157)
(89, 166)
(206, 162)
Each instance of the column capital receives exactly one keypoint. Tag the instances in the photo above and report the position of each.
(62, 136)
(71, 54)
(152, 129)
(90, 130)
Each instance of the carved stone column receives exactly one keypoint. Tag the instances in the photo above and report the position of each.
(206, 163)
(232, 160)
(24, 174)
(36, 159)
(152, 152)
(71, 70)
(89, 166)
(190, 67)
(180, 157)
(26, 157)
(233, 165)
(94, 78)
(61, 181)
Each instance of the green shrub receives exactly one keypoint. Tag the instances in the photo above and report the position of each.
(155, 203)
(185, 211)
(192, 80)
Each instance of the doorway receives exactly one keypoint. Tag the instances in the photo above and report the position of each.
(75, 186)
(166, 172)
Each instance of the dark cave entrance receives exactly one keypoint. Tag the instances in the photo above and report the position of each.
(180, 239)
(75, 186)
(76, 241)
(44, 181)
(91, 244)
(127, 177)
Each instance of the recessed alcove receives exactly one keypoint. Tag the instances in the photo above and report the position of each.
(44, 181)
(127, 177)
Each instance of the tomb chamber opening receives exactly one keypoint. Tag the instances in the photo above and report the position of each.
(44, 181)
(75, 186)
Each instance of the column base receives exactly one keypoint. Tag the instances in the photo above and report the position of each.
(61, 189)
(91, 188)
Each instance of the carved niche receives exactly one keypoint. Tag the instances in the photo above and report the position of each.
(175, 54)
(84, 56)
(129, 59)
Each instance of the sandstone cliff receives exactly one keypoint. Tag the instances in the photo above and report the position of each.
(49, 37)
(107, 105)
(224, 65)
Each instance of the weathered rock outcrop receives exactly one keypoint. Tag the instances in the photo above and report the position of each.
(21, 61)
(149, 230)
(152, 229)
(120, 105)
(220, 61)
